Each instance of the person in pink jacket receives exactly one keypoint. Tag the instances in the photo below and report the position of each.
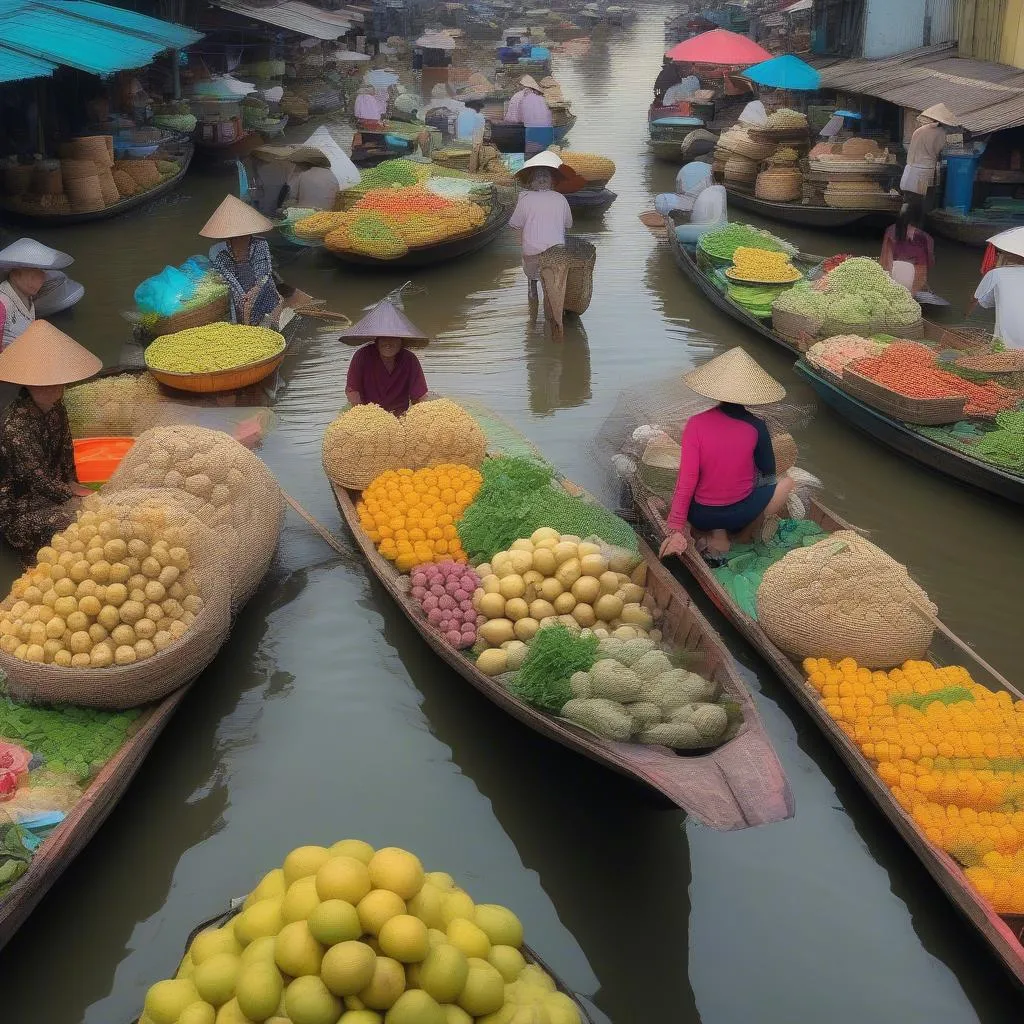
(726, 451)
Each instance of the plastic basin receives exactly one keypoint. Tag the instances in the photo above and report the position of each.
(96, 458)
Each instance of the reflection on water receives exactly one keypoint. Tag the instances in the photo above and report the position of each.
(325, 715)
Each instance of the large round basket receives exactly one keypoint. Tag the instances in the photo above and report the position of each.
(221, 380)
(215, 310)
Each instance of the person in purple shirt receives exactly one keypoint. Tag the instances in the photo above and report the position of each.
(384, 371)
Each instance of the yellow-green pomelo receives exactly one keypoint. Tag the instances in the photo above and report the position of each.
(347, 968)
(465, 935)
(436, 937)
(353, 848)
(186, 968)
(508, 960)
(260, 919)
(215, 978)
(144, 1018)
(456, 904)
(499, 924)
(343, 878)
(296, 952)
(404, 938)
(304, 861)
(443, 973)
(537, 976)
(378, 906)
(258, 990)
(214, 941)
(270, 885)
(334, 921)
(300, 900)
(426, 905)
(231, 1013)
(503, 1016)
(456, 1014)
(414, 1007)
(353, 1003)
(484, 991)
(398, 870)
(309, 1001)
(198, 1013)
(561, 1009)
(166, 999)
(386, 984)
(440, 880)
(361, 1017)
(260, 950)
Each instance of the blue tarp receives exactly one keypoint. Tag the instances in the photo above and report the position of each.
(80, 34)
(786, 72)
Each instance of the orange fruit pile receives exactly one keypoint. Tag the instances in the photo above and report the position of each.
(411, 515)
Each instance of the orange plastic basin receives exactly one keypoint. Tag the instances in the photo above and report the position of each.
(96, 458)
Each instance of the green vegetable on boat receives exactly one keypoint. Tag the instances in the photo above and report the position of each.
(212, 348)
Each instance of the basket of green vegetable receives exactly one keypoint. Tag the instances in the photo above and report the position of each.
(719, 246)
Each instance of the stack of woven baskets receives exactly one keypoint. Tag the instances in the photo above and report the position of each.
(85, 170)
(849, 175)
(742, 152)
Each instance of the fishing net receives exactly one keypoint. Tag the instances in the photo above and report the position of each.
(241, 500)
(140, 605)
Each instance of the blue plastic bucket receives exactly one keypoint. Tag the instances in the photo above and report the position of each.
(960, 174)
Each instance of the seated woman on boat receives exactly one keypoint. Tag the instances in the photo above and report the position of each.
(37, 459)
(906, 242)
(708, 205)
(725, 449)
(244, 261)
(369, 109)
(312, 184)
(384, 371)
(529, 108)
(24, 266)
(669, 75)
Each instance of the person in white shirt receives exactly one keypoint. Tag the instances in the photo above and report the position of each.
(312, 184)
(369, 108)
(1004, 289)
(542, 216)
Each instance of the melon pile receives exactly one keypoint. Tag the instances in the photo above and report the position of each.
(351, 935)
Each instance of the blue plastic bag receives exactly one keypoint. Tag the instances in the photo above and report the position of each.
(164, 293)
(195, 267)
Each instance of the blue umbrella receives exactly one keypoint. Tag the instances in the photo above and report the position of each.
(787, 72)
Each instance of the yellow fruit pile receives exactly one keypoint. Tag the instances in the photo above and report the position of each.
(111, 589)
(762, 265)
(349, 935)
(411, 515)
(551, 578)
(390, 235)
(952, 753)
(320, 224)
(590, 166)
(213, 347)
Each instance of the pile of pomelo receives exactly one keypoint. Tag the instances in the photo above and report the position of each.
(349, 935)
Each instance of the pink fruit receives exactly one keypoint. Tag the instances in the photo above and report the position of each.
(419, 579)
(429, 602)
(437, 590)
(434, 616)
(419, 593)
(467, 606)
(460, 595)
(446, 602)
(454, 637)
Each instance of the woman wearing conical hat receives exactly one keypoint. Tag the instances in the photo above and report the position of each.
(724, 451)
(384, 371)
(529, 108)
(37, 459)
(244, 261)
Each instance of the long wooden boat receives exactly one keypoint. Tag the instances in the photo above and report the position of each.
(974, 230)
(907, 441)
(667, 150)
(54, 219)
(529, 954)
(511, 138)
(441, 252)
(1003, 936)
(69, 838)
(895, 434)
(591, 201)
(808, 216)
(737, 785)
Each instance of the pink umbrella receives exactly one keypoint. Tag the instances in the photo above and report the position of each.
(719, 47)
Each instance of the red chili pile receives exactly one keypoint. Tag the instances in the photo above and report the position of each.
(909, 369)
(833, 261)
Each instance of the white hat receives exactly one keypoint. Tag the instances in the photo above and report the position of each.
(566, 180)
(1011, 241)
(30, 254)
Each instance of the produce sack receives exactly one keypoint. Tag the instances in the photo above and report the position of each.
(845, 598)
(164, 293)
(124, 607)
(361, 443)
(441, 431)
(241, 500)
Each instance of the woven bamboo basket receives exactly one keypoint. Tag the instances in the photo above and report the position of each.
(833, 327)
(913, 331)
(213, 312)
(786, 452)
(143, 172)
(823, 371)
(659, 465)
(107, 188)
(921, 411)
(71, 168)
(47, 181)
(779, 185)
(743, 145)
(222, 380)
(18, 179)
(738, 168)
(459, 159)
(97, 148)
(858, 148)
(795, 327)
(85, 194)
(125, 183)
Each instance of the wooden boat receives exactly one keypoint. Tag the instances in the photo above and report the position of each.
(69, 838)
(511, 138)
(974, 230)
(1003, 936)
(54, 219)
(907, 441)
(667, 150)
(737, 785)
(530, 955)
(809, 216)
(591, 200)
(441, 252)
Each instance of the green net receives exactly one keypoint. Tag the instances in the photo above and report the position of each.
(555, 654)
(501, 436)
(747, 563)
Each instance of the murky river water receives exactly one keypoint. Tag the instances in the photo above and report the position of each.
(326, 716)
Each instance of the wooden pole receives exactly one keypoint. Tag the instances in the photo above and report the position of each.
(176, 72)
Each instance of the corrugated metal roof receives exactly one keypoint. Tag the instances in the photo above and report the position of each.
(292, 15)
(15, 67)
(85, 35)
(986, 97)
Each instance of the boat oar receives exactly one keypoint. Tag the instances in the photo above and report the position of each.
(317, 526)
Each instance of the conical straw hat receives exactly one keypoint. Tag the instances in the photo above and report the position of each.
(941, 113)
(566, 180)
(735, 377)
(385, 321)
(27, 252)
(233, 218)
(529, 82)
(44, 357)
